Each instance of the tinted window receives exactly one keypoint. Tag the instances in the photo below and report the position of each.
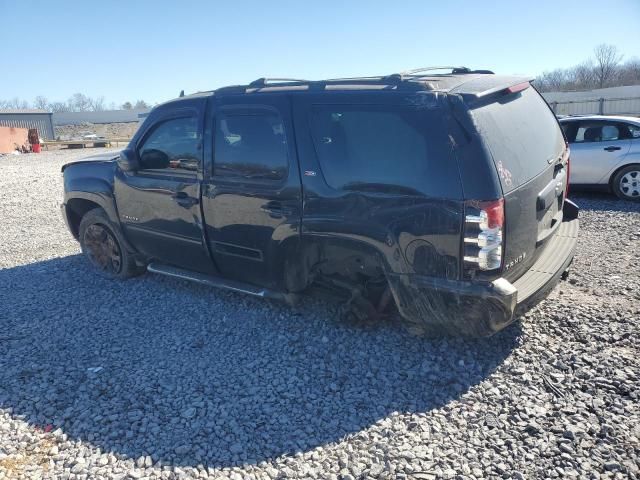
(250, 145)
(569, 129)
(602, 132)
(173, 145)
(364, 147)
(522, 134)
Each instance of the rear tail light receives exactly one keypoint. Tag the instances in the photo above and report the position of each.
(483, 228)
(566, 190)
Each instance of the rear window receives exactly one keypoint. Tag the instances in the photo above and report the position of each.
(522, 135)
(383, 148)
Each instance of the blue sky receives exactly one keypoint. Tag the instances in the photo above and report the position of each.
(128, 50)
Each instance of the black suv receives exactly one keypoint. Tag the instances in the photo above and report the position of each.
(442, 195)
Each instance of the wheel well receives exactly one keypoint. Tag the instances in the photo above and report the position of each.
(616, 171)
(76, 209)
(348, 262)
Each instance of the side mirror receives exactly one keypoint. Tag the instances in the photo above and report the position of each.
(154, 159)
(128, 161)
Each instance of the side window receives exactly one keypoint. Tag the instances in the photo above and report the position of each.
(628, 131)
(362, 147)
(634, 130)
(570, 130)
(589, 132)
(172, 146)
(250, 145)
(601, 132)
(610, 132)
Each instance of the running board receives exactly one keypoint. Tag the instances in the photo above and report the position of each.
(219, 282)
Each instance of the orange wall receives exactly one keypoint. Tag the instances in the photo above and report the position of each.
(11, 137)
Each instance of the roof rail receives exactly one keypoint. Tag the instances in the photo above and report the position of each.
(262, 82)
(454, 71)
(428, 69)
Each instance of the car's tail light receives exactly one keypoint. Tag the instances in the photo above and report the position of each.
(483, 228)
(566, 189)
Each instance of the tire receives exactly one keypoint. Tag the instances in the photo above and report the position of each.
(105, 248)
(626, 183)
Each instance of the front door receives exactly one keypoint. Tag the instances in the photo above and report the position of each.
(159, 204)
(597, 147)
(252, 193)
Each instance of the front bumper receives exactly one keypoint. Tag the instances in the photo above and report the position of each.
(481, 309)
(63, 214)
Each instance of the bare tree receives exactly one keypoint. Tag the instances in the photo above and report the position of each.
(14, 103)
(630, 72)
(554, 80)
(79, 103)
(97, 104)
(140, 104)
(127, 106)
(583, 76)
(607, 61)
(606, 71)
(41, 103)
(57, 107)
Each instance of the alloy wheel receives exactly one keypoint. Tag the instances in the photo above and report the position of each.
(103, 249)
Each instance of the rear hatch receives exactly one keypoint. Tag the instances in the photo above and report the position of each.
(529, 152)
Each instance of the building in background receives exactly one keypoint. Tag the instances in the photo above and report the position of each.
(29, 118)
(106, 116)
(603, 101)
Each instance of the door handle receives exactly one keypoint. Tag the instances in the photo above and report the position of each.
(612, 148)
(275, 209)
(184, 200)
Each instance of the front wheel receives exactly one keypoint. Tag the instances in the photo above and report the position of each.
(626, 183)
(104, 246)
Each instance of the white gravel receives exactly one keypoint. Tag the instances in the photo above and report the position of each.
(156, 378)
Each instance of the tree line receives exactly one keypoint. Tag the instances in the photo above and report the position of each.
(605, 69)
(78, 102)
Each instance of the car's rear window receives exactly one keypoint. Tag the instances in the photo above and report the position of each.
(522, 135)
(384, 148)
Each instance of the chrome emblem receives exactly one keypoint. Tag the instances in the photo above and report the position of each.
(516, 260)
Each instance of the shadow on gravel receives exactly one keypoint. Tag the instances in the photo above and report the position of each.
(603, 202)
(190, 375)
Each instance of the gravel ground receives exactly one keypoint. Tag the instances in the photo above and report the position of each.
(157, 378)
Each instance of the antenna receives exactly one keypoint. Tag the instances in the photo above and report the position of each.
(181, 93)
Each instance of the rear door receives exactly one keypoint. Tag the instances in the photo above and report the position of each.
(378, 171)
(526, 143)
(597, 147)
(252, 194)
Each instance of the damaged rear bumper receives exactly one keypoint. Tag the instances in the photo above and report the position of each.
(480, 309)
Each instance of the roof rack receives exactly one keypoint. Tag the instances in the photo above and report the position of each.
(428, 69)
(406, 79)
(264, 81)
(454, 71)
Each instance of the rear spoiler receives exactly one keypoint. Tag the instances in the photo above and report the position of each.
(481, 88)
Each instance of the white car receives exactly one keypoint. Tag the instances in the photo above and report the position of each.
(605, 153)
